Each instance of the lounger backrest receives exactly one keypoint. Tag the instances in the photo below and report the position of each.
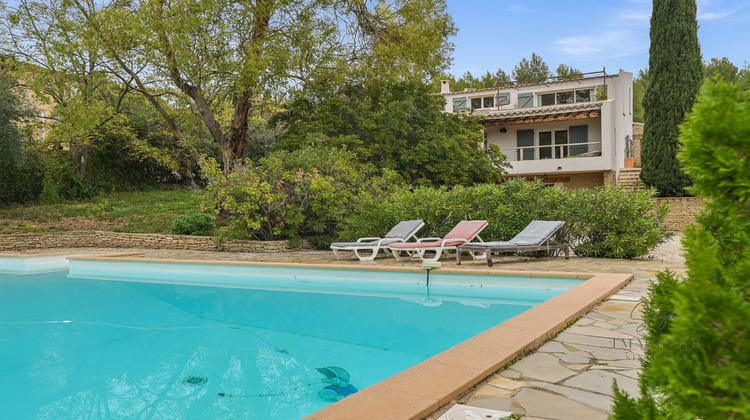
(405, 229)
(466, 229)
(537, 232)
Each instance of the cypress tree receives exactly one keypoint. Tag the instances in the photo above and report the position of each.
(705, 372)
(675, 76)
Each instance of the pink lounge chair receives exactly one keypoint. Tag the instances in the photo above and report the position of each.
(464, 232)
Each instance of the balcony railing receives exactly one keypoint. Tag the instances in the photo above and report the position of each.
(554, 151)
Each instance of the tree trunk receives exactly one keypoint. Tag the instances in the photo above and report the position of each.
(234, 148)
(80, 159)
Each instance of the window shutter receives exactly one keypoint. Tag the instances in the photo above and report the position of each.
(525, 138)
(525, 100)
(579, 134)
(460, 104)
(503, 98)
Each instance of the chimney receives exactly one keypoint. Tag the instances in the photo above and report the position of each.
(445, 86)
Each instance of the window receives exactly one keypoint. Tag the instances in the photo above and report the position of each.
(483, 102)
(545, 139)
(579, 134)
(556, 152)
(547, 99)
(525, 139)
(566, 97)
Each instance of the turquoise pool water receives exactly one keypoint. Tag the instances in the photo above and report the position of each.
(130, 340)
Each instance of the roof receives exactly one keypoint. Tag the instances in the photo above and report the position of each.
(540, 110)
(525, 85)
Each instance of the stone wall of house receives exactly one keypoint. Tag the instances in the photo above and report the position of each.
(637, 144)
(586, 180)
(82, 239)
(682, 211)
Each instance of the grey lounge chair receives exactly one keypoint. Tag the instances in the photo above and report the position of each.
(402, 232)
(535, 237)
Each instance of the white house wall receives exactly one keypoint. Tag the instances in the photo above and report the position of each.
(508, 142)
(613, 127)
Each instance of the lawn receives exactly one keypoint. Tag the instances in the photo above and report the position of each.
(135, 212)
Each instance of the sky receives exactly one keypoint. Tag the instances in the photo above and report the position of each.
(588, 35)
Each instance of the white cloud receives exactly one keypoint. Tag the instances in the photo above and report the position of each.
(515, 8)
(611, 44)
(704, 14)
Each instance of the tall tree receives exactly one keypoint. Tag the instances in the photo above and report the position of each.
(722, 68)
(64, 71)
(568, 72)
(399, 126)
(639, 88)
(675, 76)
(531, 71)
(224, 58)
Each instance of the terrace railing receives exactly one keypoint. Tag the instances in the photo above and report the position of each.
(554, 151)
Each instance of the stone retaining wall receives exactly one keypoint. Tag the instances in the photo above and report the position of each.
(82, 239)
(682, 211)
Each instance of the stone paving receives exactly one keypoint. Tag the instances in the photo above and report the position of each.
(570, 376)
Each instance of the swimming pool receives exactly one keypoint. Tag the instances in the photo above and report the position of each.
(224, 341)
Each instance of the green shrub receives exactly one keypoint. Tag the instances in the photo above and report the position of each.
(603, 222)
(193, 223)
(614, 223)
(290, 195)
(712, 304)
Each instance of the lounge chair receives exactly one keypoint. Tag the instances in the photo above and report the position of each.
(402, 232)
(535, 237)
(464, 232)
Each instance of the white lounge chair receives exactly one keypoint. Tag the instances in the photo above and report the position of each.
(402, 232)
(536, 236)
(464, 232)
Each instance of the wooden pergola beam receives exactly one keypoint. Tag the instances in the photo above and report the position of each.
(582, 115)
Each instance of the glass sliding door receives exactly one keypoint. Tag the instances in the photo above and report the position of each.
(561, 137)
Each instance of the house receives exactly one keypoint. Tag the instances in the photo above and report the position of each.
(568, 132)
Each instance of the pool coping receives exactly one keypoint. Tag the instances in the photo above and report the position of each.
(422, 389)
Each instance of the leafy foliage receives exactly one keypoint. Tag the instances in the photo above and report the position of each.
(193, 223)
(289, 195)
(223, 58)
(531, 70)
(19, 175)
(400, 127)
(709, 377)
(722, 68)
(568, 72)
(675, 75)
(640, 81)
(603, 222)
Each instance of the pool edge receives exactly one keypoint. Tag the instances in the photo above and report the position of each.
(424, 388)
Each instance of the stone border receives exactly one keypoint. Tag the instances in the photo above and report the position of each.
(422, 389)
(102, 239)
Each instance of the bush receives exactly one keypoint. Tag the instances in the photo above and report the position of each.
(709, 380)
(193, 223)
(290, 195)
(603, 222)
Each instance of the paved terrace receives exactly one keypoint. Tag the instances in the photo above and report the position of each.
(570, 376)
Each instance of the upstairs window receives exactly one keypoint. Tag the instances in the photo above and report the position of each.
(483, 102)
(566, 97)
